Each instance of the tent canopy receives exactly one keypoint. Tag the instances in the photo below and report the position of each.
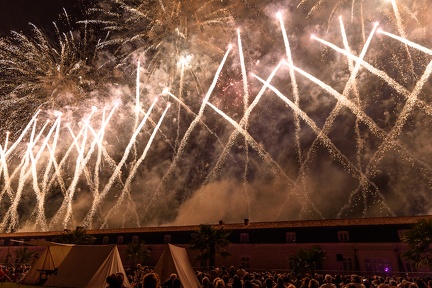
(76, 266)
(41, 242)
(175, 260)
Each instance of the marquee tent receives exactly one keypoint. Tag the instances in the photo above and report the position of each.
(175, 260)
(76, 266)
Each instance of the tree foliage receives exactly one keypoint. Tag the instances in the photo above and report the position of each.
(137, 253)
(307, 261)
(210, 242)
(419, 241)
(25, 256)
(78, 236)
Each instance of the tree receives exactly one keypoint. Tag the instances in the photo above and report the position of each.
(307, 261)
(419, 241)
(210, 242)
(78, 236)
(24, 256)
(137, 252)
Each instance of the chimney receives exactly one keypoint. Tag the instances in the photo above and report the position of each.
(221, 222)
(246, 221)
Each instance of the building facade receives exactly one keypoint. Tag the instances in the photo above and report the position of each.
(367, 246)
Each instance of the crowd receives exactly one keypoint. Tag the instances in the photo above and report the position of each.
(13, 274)
(143, 277)
(233, 277)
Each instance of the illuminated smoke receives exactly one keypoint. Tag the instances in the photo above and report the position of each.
(290, 126)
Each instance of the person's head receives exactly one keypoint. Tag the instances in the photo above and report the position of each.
(120, 277)
(313, 283)
(151, 280)
(111, 280)
(247, 284)
(205, 281)
(215, 280)
(328, 278)
(280, 282)
(225, 278)
(236, 283)
(219, 283)
(355, 279)
(115, 280)
(176, 283)
(269, 283)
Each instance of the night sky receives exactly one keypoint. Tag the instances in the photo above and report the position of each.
(341, 141)
(15, 15)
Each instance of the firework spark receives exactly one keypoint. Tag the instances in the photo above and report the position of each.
(40, 71)
(339, 128)
(163, 32)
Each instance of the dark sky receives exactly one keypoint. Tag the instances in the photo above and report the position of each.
(16, 14)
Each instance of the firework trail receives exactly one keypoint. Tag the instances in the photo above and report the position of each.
(39, 71)
(187, 134)
(161, 32)
(349, 138)
(362, 11)
(335, 112)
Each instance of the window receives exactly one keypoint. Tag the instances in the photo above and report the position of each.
(135, 239)
(244, 238)
(167, 238)
(1, 242)
(401, 233)
(347, 264)
(290, 237)
(245, 262)
(120, 240)
(410, 268)
(105, 240)
(343, 236)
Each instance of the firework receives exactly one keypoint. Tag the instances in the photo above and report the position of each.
(330, 126)
(41, 71)
(389, 12)
(163, 32)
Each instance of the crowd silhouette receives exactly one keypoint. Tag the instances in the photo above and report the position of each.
(143, 277)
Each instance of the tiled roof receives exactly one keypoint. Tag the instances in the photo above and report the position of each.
(241, 226)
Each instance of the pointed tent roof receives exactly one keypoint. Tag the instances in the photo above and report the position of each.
(76, 266)
(175, 260)
(49, 261)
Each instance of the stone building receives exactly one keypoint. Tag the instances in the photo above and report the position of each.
(366, 246)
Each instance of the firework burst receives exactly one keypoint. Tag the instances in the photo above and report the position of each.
(299, 127)
(41, 71)
(162, 33)
(362, 12)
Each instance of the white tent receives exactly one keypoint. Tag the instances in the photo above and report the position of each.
(76, 266)
(175, 260)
